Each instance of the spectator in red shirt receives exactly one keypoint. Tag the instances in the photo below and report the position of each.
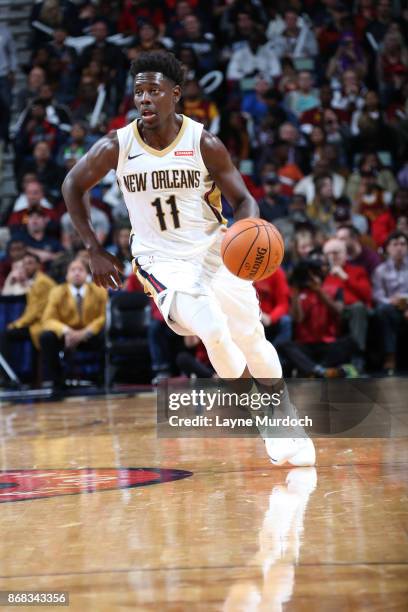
(357, 293)
(136, 12)
(273, 294)
(318, 349)
(387, 222)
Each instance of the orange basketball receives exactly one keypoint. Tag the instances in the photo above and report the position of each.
(252, 249)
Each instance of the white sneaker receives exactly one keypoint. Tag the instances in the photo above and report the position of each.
(297, 451)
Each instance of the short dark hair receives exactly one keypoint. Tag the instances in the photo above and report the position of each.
(159, 61)
(352, 229)
(394, 236)
(33, 256)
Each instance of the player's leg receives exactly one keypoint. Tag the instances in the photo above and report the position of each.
(204, 318)
(239, 302)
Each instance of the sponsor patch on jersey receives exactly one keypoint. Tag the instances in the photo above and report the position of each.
(183, 153)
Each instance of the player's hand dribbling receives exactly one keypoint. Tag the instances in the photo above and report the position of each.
(105, 268)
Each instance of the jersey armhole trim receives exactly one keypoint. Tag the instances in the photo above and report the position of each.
(124, 150)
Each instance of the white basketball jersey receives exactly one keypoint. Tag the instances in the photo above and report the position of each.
(174, 206)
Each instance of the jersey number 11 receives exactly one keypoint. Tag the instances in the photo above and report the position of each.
(171, 201)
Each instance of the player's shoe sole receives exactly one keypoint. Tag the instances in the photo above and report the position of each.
(296, 451)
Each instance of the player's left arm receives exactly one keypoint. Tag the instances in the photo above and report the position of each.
(227, 178)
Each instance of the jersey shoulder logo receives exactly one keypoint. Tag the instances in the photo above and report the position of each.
(134, 156)
(184, 153)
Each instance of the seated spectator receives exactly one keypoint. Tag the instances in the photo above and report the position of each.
(370, 166)
(288, 171)
(34, 128)
(254, 57)
(304, 242)
(100, 223)
(76, 146)
(391, 219)
(295, 42)
(350, 96)
(392, 57)
(238, 23)
(56, 113)
(32, 197)
(273, 205)
(16, 250)
(333, 21)
(307, 185)
(369, 127)
(84, 104)
(203, 43)
(390, 292)
(194, 105)
(16, 282)
(357, 253)
(317, 140)
(194, 361)
(304, 97)
(348, 56)
(273, 295)
(298, 152)
(316, 115)
(73, 249)
(34, 236)
(189, 61)
(253, 101)
(318, 349)
(28, 325)
(74, 317)
(321, 210)
(297, 216)
(370, 199)
(337, 134)
(355, 285)
(102, 50)
(175, 25)
(46, 170)
(148, 39)
(26, 95)
(234, 134)
(121, 248)
(378, 26)
(276, 23)
(135, 12)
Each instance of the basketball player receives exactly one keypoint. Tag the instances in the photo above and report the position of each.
(171, 173)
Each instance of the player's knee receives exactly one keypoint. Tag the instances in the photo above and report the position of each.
(253, 341)
(215, 334)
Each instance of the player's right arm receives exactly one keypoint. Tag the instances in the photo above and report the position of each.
(87, 172)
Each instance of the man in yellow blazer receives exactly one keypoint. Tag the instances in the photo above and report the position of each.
(29, 324)
(74, 317)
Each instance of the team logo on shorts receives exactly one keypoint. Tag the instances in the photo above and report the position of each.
(183, 153)
(20, 485)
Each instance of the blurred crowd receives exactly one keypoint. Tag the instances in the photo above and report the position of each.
(311, 99)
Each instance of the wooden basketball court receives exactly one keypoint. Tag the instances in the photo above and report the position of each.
(236, 535)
